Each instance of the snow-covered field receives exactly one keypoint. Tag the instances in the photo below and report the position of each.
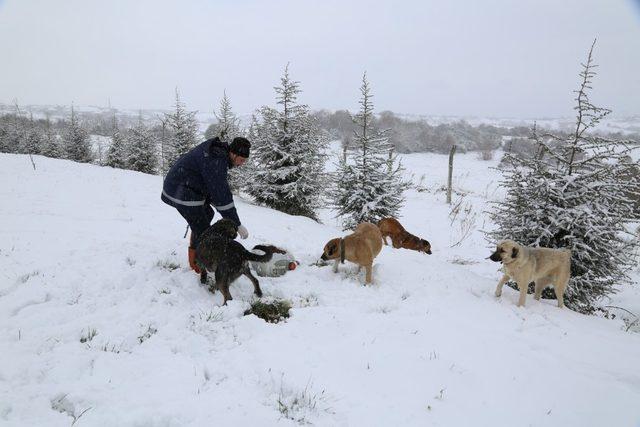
(98, 328)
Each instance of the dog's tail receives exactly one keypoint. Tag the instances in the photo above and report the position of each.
(268, 253)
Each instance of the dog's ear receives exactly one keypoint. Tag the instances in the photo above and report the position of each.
(514, 252)
(331, 248)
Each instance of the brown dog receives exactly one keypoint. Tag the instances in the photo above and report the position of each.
(361, 248)
(524, 264)
(401, 238)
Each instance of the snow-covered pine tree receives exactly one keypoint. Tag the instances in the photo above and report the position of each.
(142, 155)
(76, 143)
(15, 131)
(33, 139)
(4, 135)
(369, 184)
(288, 151)
(183, 128)
(574, 193)
(227, 125)
(51, 145)
(226, 128)
(117, 153)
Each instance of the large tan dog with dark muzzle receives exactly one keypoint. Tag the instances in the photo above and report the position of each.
(361, 248)
(524, 265)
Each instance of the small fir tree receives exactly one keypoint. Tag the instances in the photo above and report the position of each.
(15, 132)
(34, 138)
(76, 142)
(4, 133)
(142, 151)
(117, 151)
(183, 128)
(227, 125)
(574, 192)
(288, 154)
(226, 128)
(51, 146)
(369, 184)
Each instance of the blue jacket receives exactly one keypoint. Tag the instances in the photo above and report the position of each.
(199, 177)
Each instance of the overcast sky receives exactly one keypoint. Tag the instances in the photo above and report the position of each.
(500, 58)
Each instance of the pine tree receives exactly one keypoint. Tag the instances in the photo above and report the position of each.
(4, 135)
(142, 151)
(288, 154)
(226, 128)
(34, 137)
(16, 132)
(227, 125)
(51, 146)
(117, 153)
(369, 185)
(574, 193)
(76, 141)
(183, 128)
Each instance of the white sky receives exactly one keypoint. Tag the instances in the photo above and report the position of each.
(507, 58)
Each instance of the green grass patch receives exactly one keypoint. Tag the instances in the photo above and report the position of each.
(167, 264)
(272, 312)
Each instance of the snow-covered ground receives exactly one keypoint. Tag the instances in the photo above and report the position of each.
(97, 327)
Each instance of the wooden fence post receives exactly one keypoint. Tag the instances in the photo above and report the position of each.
(451, 153)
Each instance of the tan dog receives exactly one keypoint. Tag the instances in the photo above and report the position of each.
(401, 238)
(361, 248)
(524, 264)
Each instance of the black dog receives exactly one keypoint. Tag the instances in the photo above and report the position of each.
(218, 253)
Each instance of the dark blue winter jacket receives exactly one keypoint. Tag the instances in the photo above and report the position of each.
(200, 177)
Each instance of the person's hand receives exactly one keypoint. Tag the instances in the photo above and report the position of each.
(243, 232)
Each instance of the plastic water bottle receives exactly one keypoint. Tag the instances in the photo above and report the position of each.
(278, 266)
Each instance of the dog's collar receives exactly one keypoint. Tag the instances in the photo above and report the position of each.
(342, 251)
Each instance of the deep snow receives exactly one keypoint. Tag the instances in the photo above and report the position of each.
(87, 249)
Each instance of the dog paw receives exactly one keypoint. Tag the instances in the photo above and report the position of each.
(498, 294)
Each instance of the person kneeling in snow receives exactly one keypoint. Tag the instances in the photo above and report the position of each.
(198, 180)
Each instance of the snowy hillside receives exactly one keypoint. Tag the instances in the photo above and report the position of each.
(103, 324)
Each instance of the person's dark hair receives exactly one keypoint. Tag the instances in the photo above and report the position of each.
(240, 146)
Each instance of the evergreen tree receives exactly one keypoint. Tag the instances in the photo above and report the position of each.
(51, 146)
(183, 128)
(16, 135)
(4, 136)
(34, 138)
(142, 155)
(227, 125)
(76, 141)
(226, 128)
(574, 193)
(288, 154)
(15, 132)
(117, 153)
(369, 185)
